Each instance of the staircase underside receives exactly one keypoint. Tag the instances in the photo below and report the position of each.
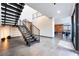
(11, 12)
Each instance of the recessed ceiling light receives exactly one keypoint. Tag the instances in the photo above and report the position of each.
(58, 12)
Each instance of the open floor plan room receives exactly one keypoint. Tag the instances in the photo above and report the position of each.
(39, 29)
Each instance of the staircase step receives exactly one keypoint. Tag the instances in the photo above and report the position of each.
(31, 40)
(28, 36)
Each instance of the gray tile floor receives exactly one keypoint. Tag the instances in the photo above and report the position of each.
(46, 47)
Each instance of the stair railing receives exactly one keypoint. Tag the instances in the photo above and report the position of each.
(35, 31)
(32, 28)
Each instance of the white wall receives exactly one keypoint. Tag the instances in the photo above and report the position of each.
(8, 30)
(45, 26)
(53, 25)
(66, 20)
(14, 31)
(27, 13)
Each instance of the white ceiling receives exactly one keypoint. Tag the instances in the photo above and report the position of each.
(50, 10)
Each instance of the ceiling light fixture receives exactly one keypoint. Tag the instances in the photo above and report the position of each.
(58, 12)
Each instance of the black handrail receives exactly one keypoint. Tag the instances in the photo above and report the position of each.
(35, 27)
(25, 22)
(34, 30)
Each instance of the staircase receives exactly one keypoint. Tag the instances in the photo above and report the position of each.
(10, 16)
(11, 12)
(29, 37)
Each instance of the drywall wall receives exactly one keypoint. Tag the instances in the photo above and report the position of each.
(53, 27)
(27, 13)
(8, 30)
(14, 31)
(66, 20)
(45, 25)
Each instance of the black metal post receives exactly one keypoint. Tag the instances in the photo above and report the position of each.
(72, 21)
(77, 25)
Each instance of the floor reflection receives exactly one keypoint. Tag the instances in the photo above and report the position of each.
(5, 44)
(4, 33)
